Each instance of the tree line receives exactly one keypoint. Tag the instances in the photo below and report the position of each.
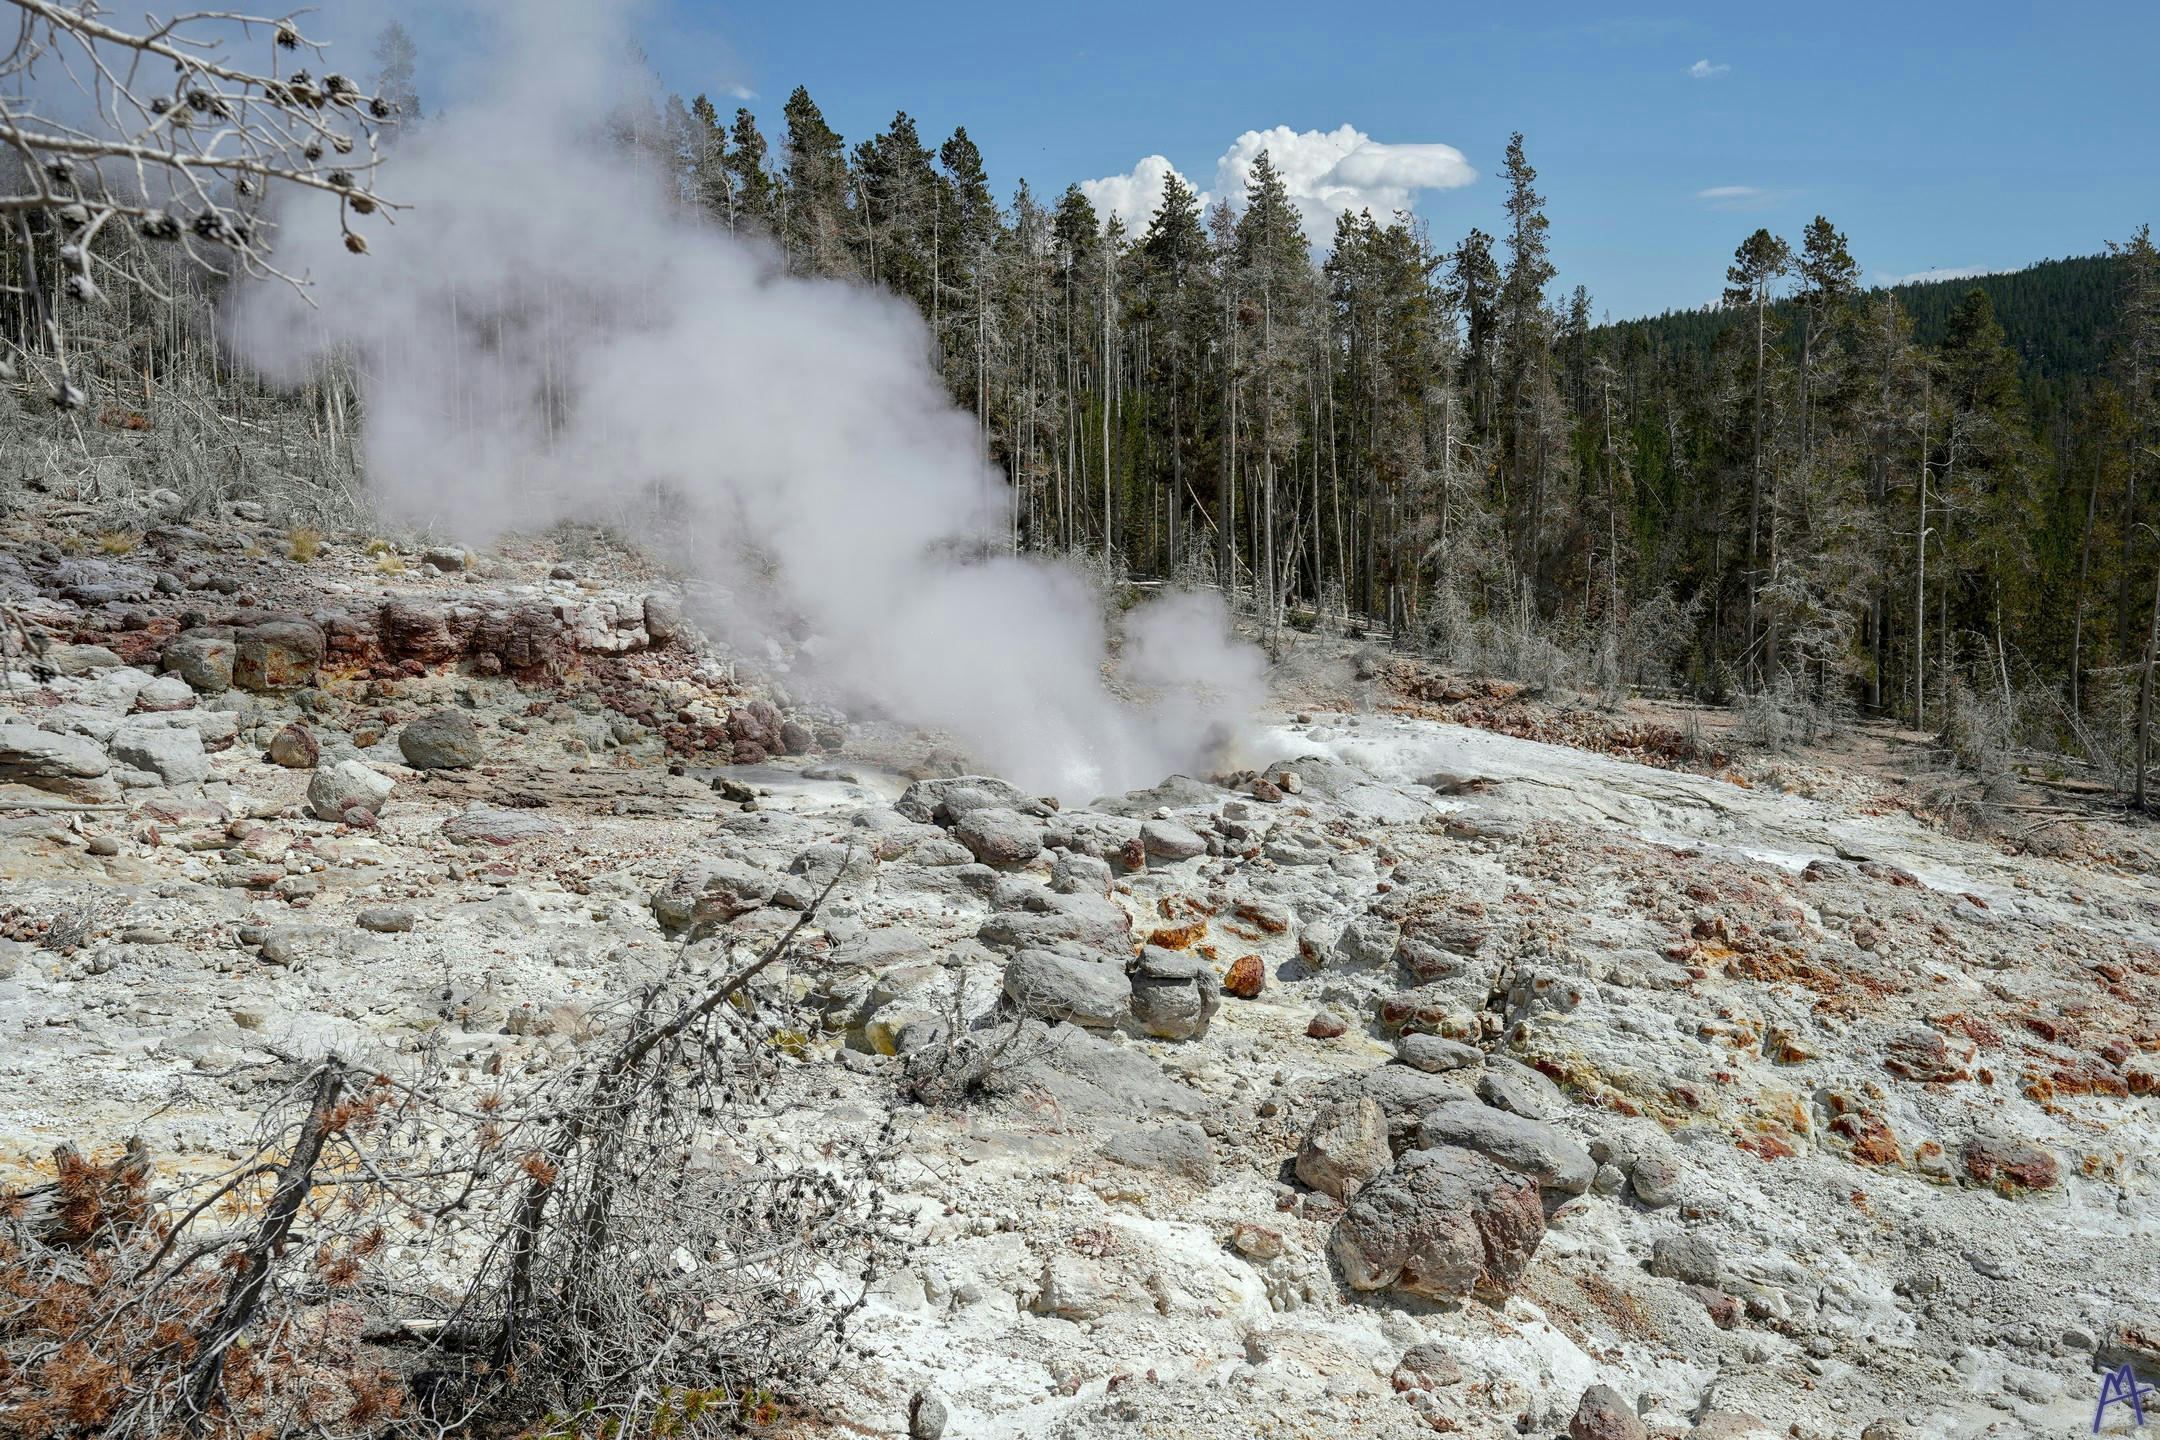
(1439, 443)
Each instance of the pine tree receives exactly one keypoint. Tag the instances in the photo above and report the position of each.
(712, 179)
(814, 218)
(1751, 284)
(754, 192)
(1526, 347)
(397, 61)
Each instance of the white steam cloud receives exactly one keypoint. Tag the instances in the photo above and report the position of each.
(1325, 171)
(546, 337)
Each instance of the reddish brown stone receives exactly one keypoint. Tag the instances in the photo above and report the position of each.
(1929, 1056)
(1725, 1311)
(1326, 1025)
(2012, 1167)
(1247, 977)
(413, 630)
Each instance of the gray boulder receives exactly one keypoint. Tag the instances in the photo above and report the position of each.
(1368, 939)
(1346, 1145)
(1690, 1259)
(1552, 1157)
(1178, 1147)
(1174, 995)
(66, 765)
(710, 892)
(440, 740)
(175, 756)
(347, 785)
(1049, 918)
(277, 655)
(1435, 1055)
(1510, 1085)
(164, 693)
(1443, 1223)
(996, 835)
(1062, 985)
(925, 800)
(1076, 874)
(1168, 840)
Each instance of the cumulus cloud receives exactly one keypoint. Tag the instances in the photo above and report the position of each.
(1704, 70)
(1133, 197)
(1325, 171)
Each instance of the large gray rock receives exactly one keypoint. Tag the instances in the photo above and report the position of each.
(1552, 1157)
(925, 800)
(711, 892)
(1056, 985)
(1368, 939)
(996, 835)
(1174, 995)
(1075, 874)
(485, 825)
(277, 655)
(1346, 1145)
(165, 693)
(67, 765)
(347, 785)
(1508, 1084)
(1403, 1095)
(1443, 1223)
(1168, 840)
(175, 756)
(1049, 918)
(440, 740)
(1690, 1259)
(1435, 1055)
(1177, 1148)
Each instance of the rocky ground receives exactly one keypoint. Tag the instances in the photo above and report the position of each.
(1422, 1077)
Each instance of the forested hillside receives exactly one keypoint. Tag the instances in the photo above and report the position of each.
(1847, 498)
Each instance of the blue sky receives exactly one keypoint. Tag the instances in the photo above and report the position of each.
(1980, 135)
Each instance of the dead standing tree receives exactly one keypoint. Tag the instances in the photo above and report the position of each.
(103, 127)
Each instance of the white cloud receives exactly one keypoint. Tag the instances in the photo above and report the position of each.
(1729, 192)
(1325, 171)
(1704, 70)
(736, 90)
(1134, 197)
(1946, 272)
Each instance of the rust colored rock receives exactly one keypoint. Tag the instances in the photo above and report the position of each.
(1133, 854)
(795, 738)
(295, 748)
(1603, 1415)
(526, 640)
(414, 630)
(1247, 977)
(277, 655)
(2011, 1166)
(755, 724)
(1725, 1310)
(1326, 1025)
(1266, 790)
(1930, 1056)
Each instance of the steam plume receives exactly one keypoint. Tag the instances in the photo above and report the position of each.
(546, 337)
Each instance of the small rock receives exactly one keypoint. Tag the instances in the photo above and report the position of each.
(1346, 1145)
(175, 755)
(296, 748)
(1434, 1055)
(1690, 1259)
(165, 693)
(998, 836)
(1429, 1365)
(1725, 1310)
(1444, 1224)
(1051, 985)
(446, 558)
(1173, 995)
(926, 1416)
(484, 825)
(1168, 840)
(2010, 1165)
(1266, 790)
(1247, 977)
(440, 740)
(277, 655)
(1552, 1157)
(385, 919)
(1655, 1178)
(104, 846)
(1512, 1086)
(347, 785)
(795, 738)
(1603, 1415)
(1178, 1148)
(1258, 1241)
(1326, 1025)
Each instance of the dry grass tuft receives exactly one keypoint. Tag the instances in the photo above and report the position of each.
(117, 542)
(303, 543)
